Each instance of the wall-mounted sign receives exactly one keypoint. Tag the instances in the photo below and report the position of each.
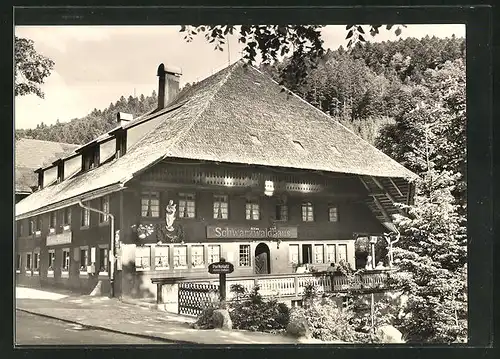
(57, 239)
(251, 232)
(220, 268)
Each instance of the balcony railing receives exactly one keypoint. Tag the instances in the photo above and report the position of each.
(293, 285)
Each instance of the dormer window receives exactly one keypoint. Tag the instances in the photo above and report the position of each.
(121, 143)
(90, 158)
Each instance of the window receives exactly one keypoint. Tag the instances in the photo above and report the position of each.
(221, 207)
(330, 253)
(143, 258)
(150, 204)
(252, 211)
(281, 212)
(84, 259)
(293, 251)
(307, 212)
(342, 255)
(53, 222)
(104, 206)
(28, 261)
(66, 216)
(161, 257)
(103, 259)
(318, 253)
(333, 215)
(244, 255)
(52, 259)
(85, 220)
(65, 260)
(197, 256)
(186, 205)
(30, 227)
(36, 261)
(213, 253)
(306, 253)
(38, 226)
(180, 256)
(19, 228)
(18, 262)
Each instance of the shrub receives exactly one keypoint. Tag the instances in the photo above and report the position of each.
(329, 322)
(252, 312)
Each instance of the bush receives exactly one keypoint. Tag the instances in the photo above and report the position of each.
(328, 322)
(252, 312)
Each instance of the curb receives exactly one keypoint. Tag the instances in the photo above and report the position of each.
(94, 327)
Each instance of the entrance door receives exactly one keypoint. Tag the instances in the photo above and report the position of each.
(306, 253)
(262, 259)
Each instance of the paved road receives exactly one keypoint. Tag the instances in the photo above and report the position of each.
(36, 330)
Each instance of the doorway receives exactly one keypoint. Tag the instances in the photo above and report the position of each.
(306, 253)
(262, 259)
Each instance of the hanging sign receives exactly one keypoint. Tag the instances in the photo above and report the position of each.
(221, 267)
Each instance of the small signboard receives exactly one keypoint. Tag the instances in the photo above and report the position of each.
(221, 267)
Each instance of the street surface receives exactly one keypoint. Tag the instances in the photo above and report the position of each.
(36, 330)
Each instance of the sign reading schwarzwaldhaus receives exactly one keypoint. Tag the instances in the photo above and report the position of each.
(251, 232)
(220, 268)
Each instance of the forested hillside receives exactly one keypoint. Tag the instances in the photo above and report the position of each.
(364, 88)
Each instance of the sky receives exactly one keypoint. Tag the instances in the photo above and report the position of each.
(95, 65)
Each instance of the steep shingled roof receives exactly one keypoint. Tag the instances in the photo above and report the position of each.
(238, 115)
(32, 154)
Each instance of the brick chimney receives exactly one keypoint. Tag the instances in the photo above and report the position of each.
(168, 84)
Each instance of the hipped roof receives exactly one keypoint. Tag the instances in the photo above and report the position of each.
(238, 115)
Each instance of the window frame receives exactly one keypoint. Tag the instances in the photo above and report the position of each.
(105, 263)
(31, 227)
(316, 247)
(202, 247)
(87, 257)
(66, 218)
(336, 211)
(290, 254)
(36, 262)
(341, 245)
(309, 210)
(180, 266)
(163, 267)
(210, 254)
(249, 255)
(149, 197)
(52, 222)
(65, 269)
(216, 209)
(329, 254)
(104, 205)
(29, 263)
(249, 210)
(85, 216)
(189, 201)
(52, 262)
(282, 208)
(38, 226)
(142, 267)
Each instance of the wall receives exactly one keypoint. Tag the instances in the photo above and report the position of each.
(97, 234)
